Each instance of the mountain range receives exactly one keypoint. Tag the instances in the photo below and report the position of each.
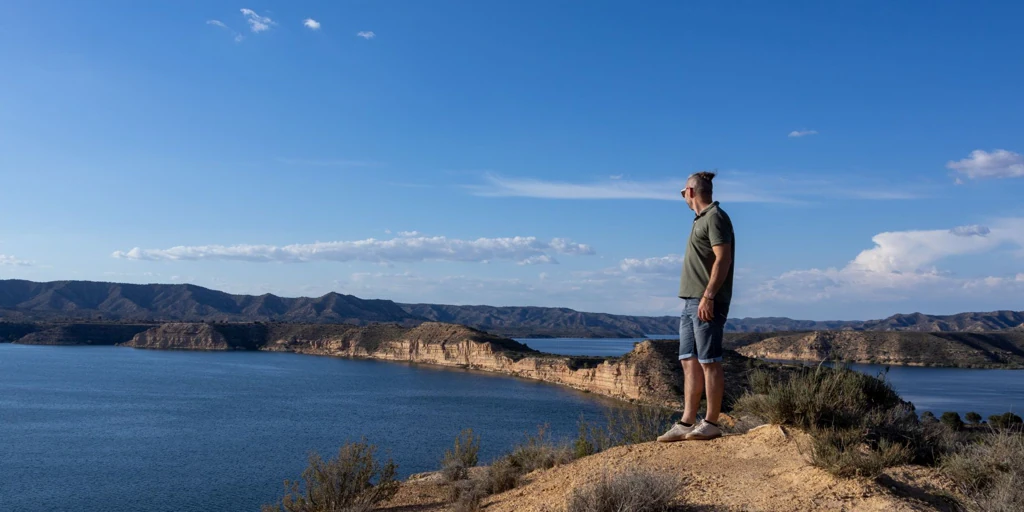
(88, 300)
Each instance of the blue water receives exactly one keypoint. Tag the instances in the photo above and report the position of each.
(605, 347)
(115, 429)
(937, 390)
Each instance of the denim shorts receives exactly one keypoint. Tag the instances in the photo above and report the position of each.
(699, 338)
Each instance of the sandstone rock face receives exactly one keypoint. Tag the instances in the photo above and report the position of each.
(180, 336)
(650, 374)
(1001, 349)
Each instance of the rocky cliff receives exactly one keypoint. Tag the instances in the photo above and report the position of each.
(180, 336)
(1004, 349)
(649, 374)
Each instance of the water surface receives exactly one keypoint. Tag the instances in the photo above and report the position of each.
(111, 429)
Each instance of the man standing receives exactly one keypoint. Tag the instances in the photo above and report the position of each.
(706, 289)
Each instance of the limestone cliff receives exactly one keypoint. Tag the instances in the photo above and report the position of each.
(180, 336)
(1003, 349)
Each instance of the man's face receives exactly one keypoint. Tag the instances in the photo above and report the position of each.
(688, 196)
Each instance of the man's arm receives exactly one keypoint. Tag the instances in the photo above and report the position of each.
(719, 271)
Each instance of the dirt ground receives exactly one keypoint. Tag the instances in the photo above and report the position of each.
(764, 469)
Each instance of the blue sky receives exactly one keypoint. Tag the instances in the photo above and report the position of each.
(519, 153)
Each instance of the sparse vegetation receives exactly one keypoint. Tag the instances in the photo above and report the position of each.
(1005, 420)
(858, 423)
(540, 452)
(973, 418)
(632, 490)
(623, 426)
(952, 420)
(353, 482)
(464, 455)
(989, 472)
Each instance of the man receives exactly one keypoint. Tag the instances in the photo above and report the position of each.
(706, 289)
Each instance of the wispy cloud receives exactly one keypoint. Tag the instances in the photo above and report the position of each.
(997, 164)
(256, 22)
(329, 162)
(217, 23)
(749, 189)
(615, 177)
(408, 247)
(7, 260)
(366, 34)
(311, 24)
(666, 265)
(802, 133)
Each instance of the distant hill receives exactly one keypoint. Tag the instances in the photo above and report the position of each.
(87, 300)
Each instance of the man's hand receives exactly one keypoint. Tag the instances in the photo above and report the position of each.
(706, 310)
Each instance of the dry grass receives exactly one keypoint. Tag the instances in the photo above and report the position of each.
(632, 490)
(352, 482)
(464, 455)
(859, 424)
(630, 425)
(990, 472)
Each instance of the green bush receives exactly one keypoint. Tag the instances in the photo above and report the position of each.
(1005, 420)
(929, 417)
(989, 472)
(973, 418)
(952, 420)
(352, 482)
(858, 423)
(464, 455)
(632, 490)
(842, 453)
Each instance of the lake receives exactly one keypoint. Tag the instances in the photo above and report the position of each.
(116, 429)
(937, 390)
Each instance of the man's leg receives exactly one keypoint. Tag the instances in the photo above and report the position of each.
(714, 384)
(693, 388)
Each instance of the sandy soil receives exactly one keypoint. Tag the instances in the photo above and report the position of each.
(762, 470)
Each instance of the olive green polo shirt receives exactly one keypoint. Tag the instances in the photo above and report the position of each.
(711, 227)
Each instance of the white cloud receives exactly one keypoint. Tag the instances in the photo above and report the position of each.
(14, 262)
(802, 133)
(615, 177)
(406, 234)
(256, 22)
(901, 266)
(542, 259)
(311, 24)
(217, 23)
(366, 34)
(402, 249)
(997, 164)
(667, 265)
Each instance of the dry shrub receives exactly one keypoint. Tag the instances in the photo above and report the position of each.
(467, 495)
(989, 472)
(632, 490)
(352, 482)
(859, 424)
(464, 455)
(623, 426)
(501, 476)
(844, 453)
(540, 452)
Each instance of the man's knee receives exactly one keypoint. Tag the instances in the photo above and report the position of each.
(712, 367)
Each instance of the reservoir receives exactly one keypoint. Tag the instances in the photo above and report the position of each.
(110, 429)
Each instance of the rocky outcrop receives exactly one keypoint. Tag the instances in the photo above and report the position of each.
(70, 334)
(1003, 349)
(650, 374)
(180, 336)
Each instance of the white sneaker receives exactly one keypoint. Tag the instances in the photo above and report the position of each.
(704, 432)
(678, 432)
